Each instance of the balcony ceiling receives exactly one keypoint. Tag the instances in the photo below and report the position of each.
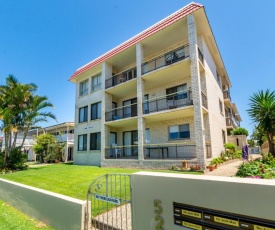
(127, 122)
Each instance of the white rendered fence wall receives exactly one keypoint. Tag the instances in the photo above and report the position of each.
(58, 211)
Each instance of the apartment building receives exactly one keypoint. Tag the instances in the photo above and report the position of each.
(156, 99)
(63, 132)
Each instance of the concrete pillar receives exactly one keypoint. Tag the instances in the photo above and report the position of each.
(106, 100)
(67, 145)
(140, 95)
(196, 91)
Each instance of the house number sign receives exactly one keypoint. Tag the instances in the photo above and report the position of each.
(198, 218)
(158, 218)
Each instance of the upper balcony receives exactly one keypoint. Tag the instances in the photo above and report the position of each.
(227, 98)
(123, 83)
(172, 102)
(231, 123)
(122, 116)
(166, 59)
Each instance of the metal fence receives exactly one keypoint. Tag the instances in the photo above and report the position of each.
(169, 151)
(121, 113)
(110, 197)
(120, 78)
(122, 152)
(166, 59)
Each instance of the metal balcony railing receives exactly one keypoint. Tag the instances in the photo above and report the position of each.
(171, 101)
(170, 151)
(121, 112)
(166, 59)
(121, 152)
(226, 95)
(120, 78)
(230, 122)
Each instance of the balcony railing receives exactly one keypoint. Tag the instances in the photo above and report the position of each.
(122, 152)
(166, 59)
(171, 101)
(121, 112)
(230, 122)
(226, 95)
(200, 56)
(169, 151)
(120, 78)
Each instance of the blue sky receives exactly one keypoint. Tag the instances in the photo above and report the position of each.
(44, 42)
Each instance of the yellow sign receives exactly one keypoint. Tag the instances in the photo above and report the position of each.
(257, 227)
(190, 213)
(191, 225)
(226, 221)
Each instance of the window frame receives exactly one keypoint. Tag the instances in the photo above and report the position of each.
(84, 147)
(221, 106)
(97, 144)
(176, 95)
(98, 116)
(85, 118)
(178, 136)
(98, 86)
(83, 92)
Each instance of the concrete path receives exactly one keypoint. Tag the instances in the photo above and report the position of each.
(229, 169)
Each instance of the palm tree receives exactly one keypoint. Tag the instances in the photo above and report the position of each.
(20, 111)
(262, 113)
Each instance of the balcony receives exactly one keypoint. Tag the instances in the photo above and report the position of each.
(166, 59)
(121, 113)
(122, 152)
(121, 78)
(227, 98)
(230, 123)
(171, 101)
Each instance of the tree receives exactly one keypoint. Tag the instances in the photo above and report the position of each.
(240, 131)
(20, 111)
(43, 145)
(262, 113)
(259, 136)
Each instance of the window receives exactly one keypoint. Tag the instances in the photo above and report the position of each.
(83, 88)
(83, 114)
(223, 136)
(96, 83)
(96, 111)
(221, 107)
(95, 141)
(177, 93)
(179, 132)
(82, 142)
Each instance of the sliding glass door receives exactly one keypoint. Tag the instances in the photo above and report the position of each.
(130, 138)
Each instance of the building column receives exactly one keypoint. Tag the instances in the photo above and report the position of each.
(196, 91)
(106, 101)
(140, 95)
(67, 145)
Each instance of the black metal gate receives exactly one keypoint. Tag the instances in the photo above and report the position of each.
(110, 198)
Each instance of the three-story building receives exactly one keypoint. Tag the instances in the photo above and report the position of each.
(156, 99)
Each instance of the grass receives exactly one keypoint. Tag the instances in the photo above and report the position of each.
(12, 219)
(66, 179)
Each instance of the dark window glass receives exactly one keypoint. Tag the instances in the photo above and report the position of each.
(96, 111)
(83, 114)
(95, 141)
(82, 142)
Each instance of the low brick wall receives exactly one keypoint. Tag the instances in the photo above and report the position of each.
(58, 211)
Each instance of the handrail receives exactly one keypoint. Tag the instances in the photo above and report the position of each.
(122, 107)
(167, 95)
(166, 59)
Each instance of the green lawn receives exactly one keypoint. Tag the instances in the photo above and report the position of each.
(66, 179)
(12, 219)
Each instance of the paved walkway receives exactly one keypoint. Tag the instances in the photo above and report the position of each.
(229, 169)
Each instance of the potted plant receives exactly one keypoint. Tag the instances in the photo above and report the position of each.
(184, 164)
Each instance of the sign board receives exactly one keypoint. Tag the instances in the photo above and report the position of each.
(112, 200)
(198, 218)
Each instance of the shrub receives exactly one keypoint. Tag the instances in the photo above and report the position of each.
(240, 131)
(230, 147)
(17, 159)
(250, 169)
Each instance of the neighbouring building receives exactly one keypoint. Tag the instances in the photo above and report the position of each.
(156, 99)
(63, 132)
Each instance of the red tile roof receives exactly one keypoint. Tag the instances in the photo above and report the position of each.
(138, 38)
